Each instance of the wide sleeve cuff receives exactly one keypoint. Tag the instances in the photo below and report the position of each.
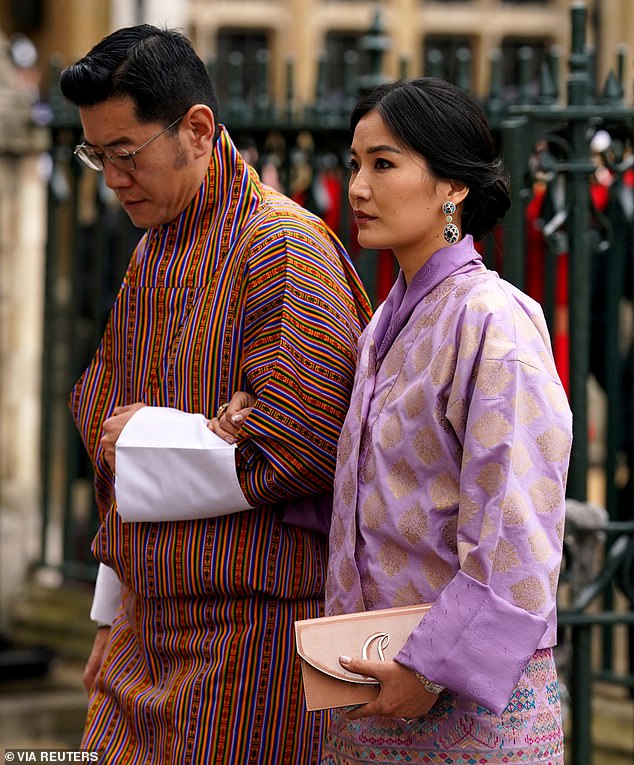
(312, 512)
(474, 643)
(171, 467)
(107, 597)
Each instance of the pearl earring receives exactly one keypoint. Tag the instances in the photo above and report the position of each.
(451, 233)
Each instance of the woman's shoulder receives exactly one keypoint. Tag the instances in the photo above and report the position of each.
(486, 292)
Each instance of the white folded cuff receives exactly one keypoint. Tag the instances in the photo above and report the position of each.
(107, 597)
(171, 467)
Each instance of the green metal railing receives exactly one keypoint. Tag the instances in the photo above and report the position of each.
(546, 138)
(578, 623)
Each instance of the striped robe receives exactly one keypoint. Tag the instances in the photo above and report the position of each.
(244, 290)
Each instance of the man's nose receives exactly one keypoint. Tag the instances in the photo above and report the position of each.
(115, 177)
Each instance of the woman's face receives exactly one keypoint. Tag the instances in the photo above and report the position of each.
(395, 199)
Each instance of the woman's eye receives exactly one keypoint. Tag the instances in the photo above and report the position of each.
(382, 164)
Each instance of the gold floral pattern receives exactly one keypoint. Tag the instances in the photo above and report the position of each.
(392, 558)
(407, 595)
(521, 461)
(474, 567)
(546, 495)
(337, 533)
(470, 337)
(402, 479)
(427, 445)
(421, 355)
(490, 429)
(414, 401)
(413, 524)
(442, 366)
(437, 571)
(347, 574)
(394, 359)
(444, 491)
(345, 446)
(528, 408)
(348, 487)
(494, 378)
(530, 594)
(515, 510)
(506, 557)
(540, 546)
(373, 511)
(391, 433)
(449, 534)
(554, 444)
(491, 478)
(368, 471)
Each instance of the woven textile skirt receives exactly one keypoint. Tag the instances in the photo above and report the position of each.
(197, 681)
(459, 732)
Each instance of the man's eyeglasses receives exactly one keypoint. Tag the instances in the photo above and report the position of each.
(121, 158)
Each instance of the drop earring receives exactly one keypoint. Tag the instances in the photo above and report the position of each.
(450, 232)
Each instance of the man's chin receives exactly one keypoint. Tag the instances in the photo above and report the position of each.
(138, 218)
(139, 224)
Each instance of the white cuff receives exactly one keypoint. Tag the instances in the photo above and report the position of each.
(170, 466)
(107, 597)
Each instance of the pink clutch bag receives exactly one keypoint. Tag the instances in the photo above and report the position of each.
(374, 635)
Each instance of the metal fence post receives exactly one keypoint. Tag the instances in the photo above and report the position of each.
(515, 148)
(579, 269)
(581, 694)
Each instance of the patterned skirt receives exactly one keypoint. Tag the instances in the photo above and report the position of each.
(202, 680)
(460, 732)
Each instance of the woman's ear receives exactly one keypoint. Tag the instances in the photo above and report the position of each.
(199, 126)
(457, 192)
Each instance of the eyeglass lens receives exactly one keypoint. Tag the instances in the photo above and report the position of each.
(121, 158)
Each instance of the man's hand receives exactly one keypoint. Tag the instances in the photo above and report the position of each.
(230, 417)
(401, 695)
(93, 665)
(112, 428)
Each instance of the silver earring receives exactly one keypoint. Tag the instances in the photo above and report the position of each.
(450, 232)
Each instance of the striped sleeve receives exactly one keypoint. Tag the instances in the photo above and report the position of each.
(305, 309)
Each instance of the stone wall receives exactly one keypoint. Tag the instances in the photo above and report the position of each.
(22, 262)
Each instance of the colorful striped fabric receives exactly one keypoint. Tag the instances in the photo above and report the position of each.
(245, 290)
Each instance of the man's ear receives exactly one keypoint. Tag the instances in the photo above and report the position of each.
(199, 126)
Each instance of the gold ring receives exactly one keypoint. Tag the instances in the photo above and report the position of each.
(221, 410)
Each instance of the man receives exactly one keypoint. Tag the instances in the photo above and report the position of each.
(208, 551)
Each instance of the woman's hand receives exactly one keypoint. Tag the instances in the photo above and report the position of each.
(401, 695)
(231, 416)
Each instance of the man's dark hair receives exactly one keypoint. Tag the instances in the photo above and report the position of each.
(157, 68)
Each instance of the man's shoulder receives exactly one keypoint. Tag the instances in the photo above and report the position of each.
(279, 209)
(280, 218)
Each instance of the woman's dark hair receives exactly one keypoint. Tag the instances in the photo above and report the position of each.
(157, 68)
(446, 126)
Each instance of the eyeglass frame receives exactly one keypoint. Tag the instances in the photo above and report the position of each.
(82, 149)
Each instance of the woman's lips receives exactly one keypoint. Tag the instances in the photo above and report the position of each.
(362, 217)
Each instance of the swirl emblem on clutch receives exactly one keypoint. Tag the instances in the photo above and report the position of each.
(382, 640)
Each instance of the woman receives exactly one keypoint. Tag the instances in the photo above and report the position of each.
(452, 461)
